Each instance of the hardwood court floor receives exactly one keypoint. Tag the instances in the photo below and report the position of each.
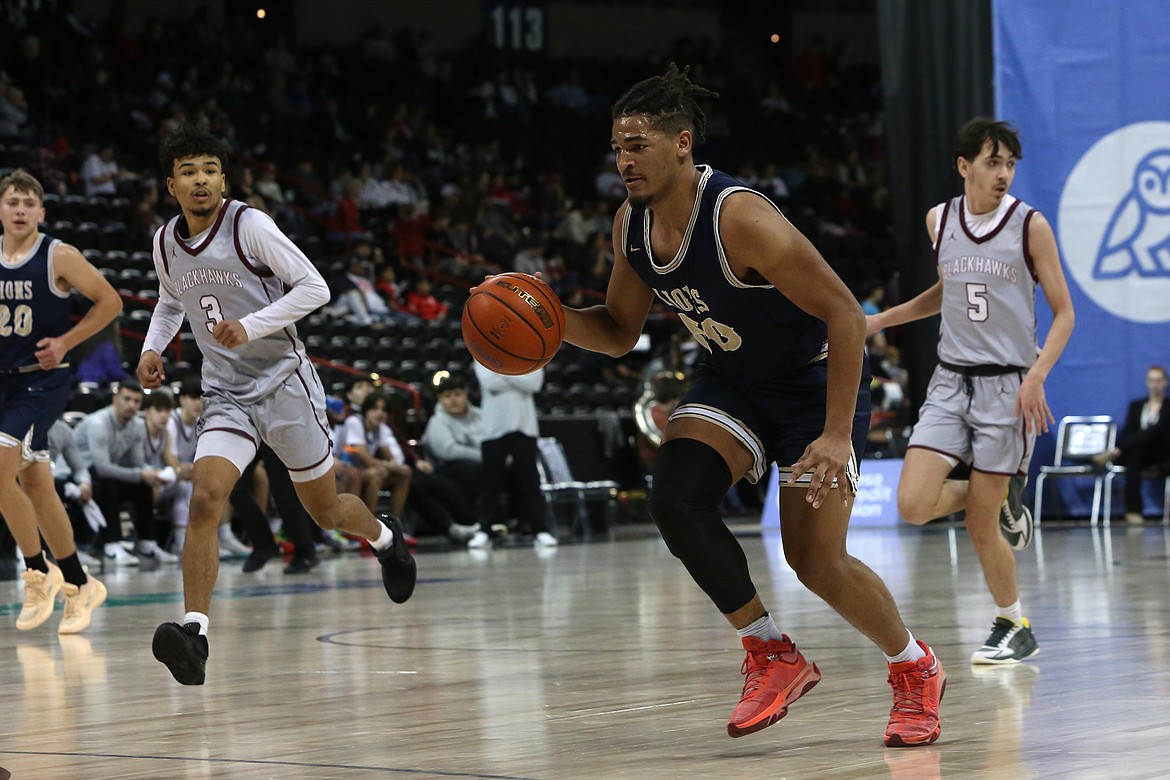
(595, 661)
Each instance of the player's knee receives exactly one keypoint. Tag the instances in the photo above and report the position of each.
(206, 506)
(816, 571)
(690, 478)
(912, 508)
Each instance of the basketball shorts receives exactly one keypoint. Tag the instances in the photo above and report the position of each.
(774, 420)
(973, 420)
(32, 402)
(291, 421)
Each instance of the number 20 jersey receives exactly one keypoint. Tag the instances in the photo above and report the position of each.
(750, 331)
(31, 306)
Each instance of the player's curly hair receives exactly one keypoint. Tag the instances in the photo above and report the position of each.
(187, 140)
(669, 101)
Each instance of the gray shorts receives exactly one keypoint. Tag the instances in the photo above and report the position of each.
(291, 421)
(980, 427)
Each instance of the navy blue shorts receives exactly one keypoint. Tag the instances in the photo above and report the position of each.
(32, 401)
(775, 420)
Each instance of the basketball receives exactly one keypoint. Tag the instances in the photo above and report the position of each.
(513, 323)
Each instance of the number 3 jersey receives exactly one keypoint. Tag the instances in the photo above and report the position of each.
(241, 268)
(989, 287)
(31, 306)
(750, 331)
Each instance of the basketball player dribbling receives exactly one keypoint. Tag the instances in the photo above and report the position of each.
(243, 284)
(986, 401)
(783, 379)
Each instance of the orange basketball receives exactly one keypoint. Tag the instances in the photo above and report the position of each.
(513, 323)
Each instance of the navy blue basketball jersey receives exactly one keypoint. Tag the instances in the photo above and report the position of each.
(31, 306)
(749, 331)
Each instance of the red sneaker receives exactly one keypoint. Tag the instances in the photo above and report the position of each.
(918, 688)
(777, 675)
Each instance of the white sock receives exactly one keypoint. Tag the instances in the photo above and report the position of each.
(197, 617)
(385, 539)
(762, 628)
(911, 652)
(1013, 612)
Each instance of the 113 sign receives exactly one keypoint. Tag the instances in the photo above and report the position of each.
(518, 26)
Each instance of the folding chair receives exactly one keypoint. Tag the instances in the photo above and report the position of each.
(1115, 471)
(558, 486)
(1078, 439)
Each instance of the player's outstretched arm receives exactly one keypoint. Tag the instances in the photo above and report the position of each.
(926, 304)
(614, 327)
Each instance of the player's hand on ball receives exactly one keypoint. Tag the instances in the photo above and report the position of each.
(230, 333)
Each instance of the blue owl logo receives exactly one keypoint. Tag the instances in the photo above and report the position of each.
(1137, 238)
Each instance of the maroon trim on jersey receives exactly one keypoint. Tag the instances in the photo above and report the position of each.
(959, 458)
(308, 394)
(328, 455)
(1002, 223)
(938, 239)
(236, 431)
(162, 249)
(210, 236)
(1027, 249)
(996, 473)
(240, 250)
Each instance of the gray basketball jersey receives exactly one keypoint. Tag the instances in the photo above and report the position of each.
(183, 437)
(989, 290)
(215, 281)
(154, 448)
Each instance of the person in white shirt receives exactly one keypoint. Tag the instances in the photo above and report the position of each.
(370, 445)
(100, 172)
(509, 431)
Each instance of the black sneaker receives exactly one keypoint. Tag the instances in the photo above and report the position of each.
(1009, 643)
(1015, 519)
(302, 564)
(399, 570)
(184, 651)
(256, 560)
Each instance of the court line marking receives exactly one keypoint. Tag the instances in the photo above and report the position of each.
(262, 762)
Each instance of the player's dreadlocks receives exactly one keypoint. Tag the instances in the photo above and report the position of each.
(669, 101)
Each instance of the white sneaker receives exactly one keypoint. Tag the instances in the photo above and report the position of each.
(88, 560)
(114, 552)
(480, 541)
(230, 544)
(545, 539)
(162, 556)
(462, 533)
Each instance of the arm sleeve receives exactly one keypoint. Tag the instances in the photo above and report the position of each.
(440, 441)
(391, 442)
(491, 382)
(99, 448)
(168, 312)
(261, 239)
(354, 434)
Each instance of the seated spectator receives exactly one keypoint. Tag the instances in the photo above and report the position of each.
(101, 357)
(373, 449)
(182, 437)
(422, 303)
(113, 442)
(145, 220)
(75, 487)
(1144, 443)
(452, 437)
(355, 296)
(436, 498)
(100, 173)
